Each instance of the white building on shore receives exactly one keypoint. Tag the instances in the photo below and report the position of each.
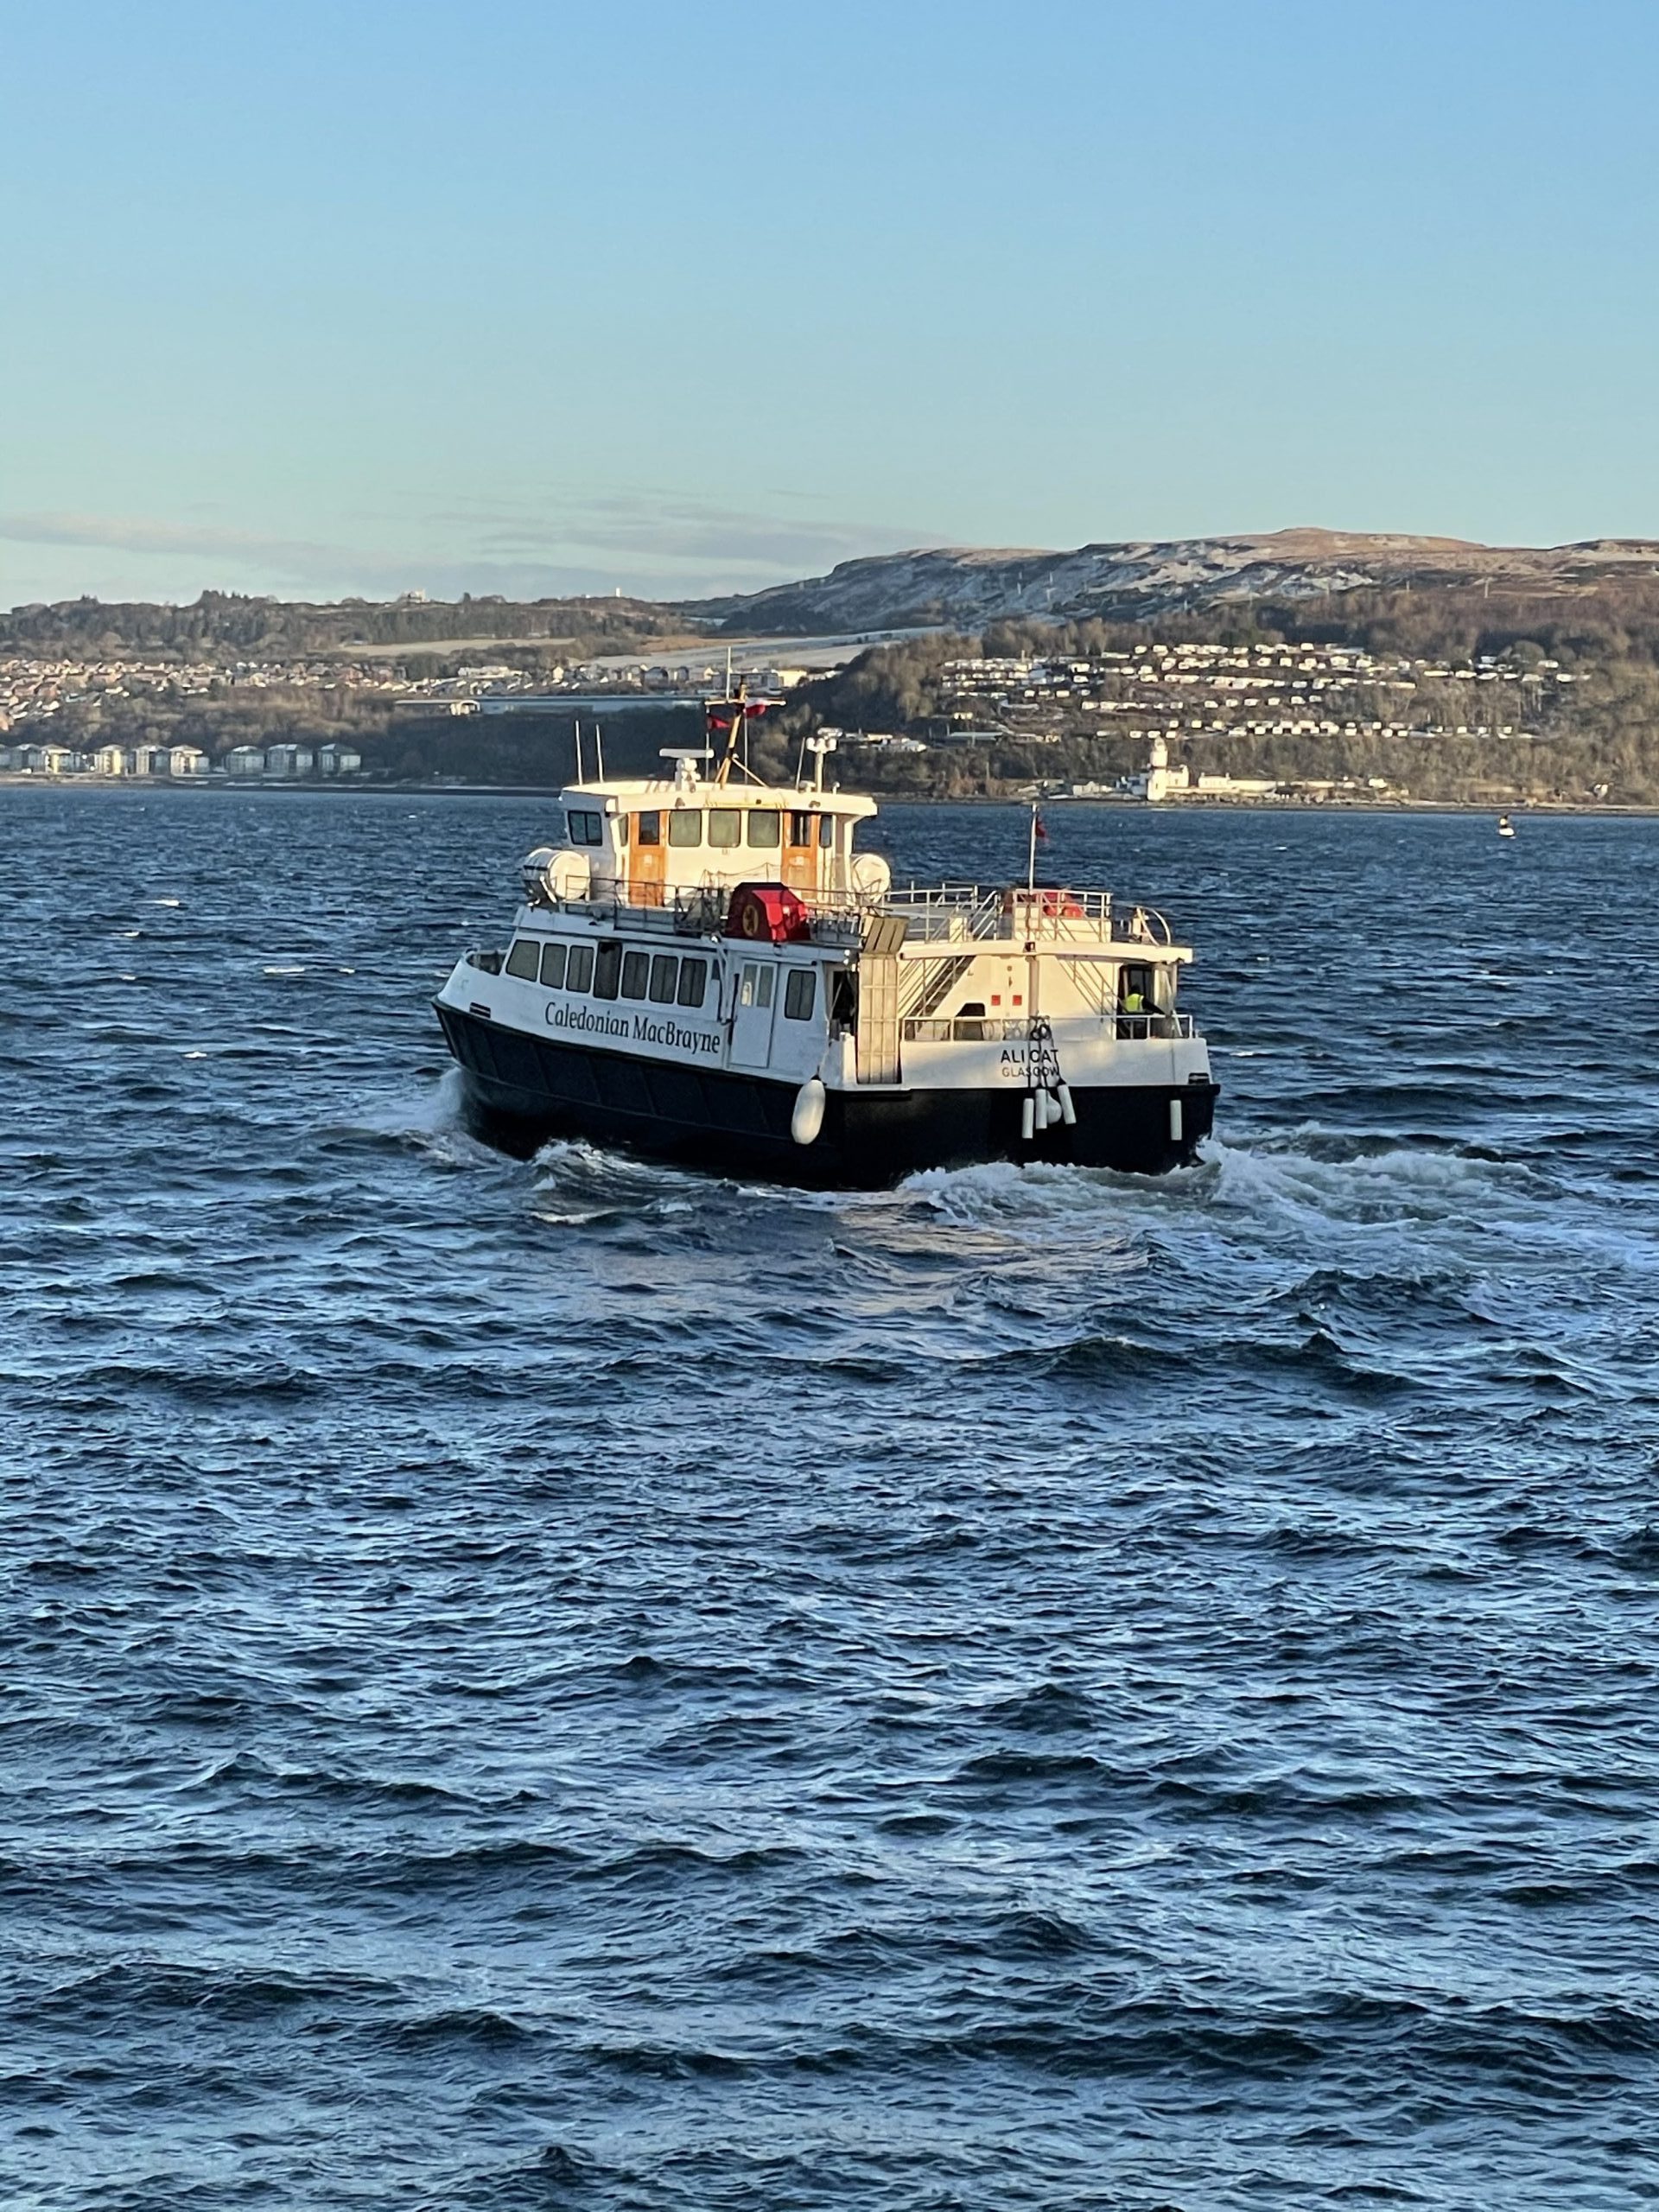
(1158, 779)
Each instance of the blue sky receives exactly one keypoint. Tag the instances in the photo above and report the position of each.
(322, 298)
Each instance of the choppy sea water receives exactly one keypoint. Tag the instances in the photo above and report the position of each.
(573, 1685)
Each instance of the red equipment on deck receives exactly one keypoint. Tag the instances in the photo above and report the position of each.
(767, 913)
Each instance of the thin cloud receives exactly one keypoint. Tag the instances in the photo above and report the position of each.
(654, 547)
(674, 534)
(133, 534)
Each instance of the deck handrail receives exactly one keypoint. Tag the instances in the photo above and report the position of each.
(977, 1029)
(947, 912)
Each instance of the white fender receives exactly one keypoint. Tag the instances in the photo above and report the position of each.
(1027, 1118)
(1039, 1109)
(808, 1117)
(1068, 1111)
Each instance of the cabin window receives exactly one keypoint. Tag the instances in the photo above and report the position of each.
(685, 826)
(763, 982)
(800, 993)
(648, 828)
(693, 979)
(553, 966)
(524, 959)
(636, 972)
(725, 827)
(764, 830)
(585, 828)
(607, 969)
(800, 829)
(664, 973)
(579, 972)
(1134, 992)
(826, 831)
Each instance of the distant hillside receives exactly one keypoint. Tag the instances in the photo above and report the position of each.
(957, 588)
(966, 588)
(221, 625)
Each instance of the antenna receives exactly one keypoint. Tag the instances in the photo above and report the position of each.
(576, 729)
(599, 748)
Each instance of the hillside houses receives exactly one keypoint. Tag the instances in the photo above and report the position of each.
(1267, 690)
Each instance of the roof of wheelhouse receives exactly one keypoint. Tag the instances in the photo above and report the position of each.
(670, 791)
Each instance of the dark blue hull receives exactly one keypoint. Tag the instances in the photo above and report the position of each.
(520, 1091)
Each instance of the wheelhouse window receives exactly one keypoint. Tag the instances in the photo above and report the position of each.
(553, 966)
(524, 959)
(1135, 990)
(763, 830)
(800, 829)
(607, 969)
(725, 827)
(763, 984)
(664, 975)
(826, 831)
(685, 826)
(636, 971)
(800, 993)
(585, 827)
(648, 828)
(579, 970)
(694, 980)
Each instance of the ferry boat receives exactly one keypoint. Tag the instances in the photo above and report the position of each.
(703, 968)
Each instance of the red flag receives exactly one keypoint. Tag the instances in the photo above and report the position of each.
(736, 710)
(1040, 833)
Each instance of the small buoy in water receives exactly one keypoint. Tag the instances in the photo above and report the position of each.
(1068, 1111)
(808, 1117)
(1505, 827)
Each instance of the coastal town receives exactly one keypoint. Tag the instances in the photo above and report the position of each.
(1146, 713)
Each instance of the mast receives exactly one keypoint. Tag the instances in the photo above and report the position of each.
(730, 717)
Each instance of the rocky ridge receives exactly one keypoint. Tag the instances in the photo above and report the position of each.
(967, 587)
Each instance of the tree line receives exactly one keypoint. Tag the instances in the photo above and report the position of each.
(221, 625)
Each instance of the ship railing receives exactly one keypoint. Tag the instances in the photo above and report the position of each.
(973, 1029)
(958, 910)
(1142, 1027)
(694, 910)
(931, 913)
